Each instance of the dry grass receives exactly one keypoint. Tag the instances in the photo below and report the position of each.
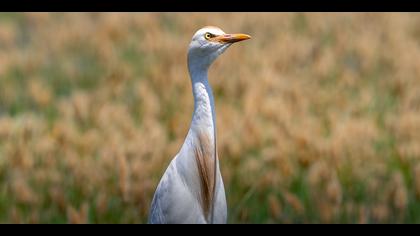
(318, 115)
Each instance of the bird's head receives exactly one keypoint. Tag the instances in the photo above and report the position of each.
(210, 42)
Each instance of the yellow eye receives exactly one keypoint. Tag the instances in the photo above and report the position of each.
(207, 36)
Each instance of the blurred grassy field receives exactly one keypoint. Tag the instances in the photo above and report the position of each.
(318, 115)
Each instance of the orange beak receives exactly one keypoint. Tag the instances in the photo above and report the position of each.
(231, 38)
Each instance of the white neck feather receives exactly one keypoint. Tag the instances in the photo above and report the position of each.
(204, 118)
(203, 122)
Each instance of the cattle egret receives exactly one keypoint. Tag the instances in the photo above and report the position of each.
(191, 189)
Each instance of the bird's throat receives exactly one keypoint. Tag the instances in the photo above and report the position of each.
(204, 111)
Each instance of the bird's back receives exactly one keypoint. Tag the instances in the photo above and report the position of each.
(177, 197)
(173, 202)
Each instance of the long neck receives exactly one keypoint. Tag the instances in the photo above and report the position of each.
(204, 125)
(204, 112)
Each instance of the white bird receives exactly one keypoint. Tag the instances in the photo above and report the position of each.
(191, 189)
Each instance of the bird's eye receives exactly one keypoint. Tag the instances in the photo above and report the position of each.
(208, 36)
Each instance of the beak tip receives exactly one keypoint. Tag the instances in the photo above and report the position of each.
(241, 37)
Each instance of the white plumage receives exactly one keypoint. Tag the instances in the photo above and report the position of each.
(191, 189)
